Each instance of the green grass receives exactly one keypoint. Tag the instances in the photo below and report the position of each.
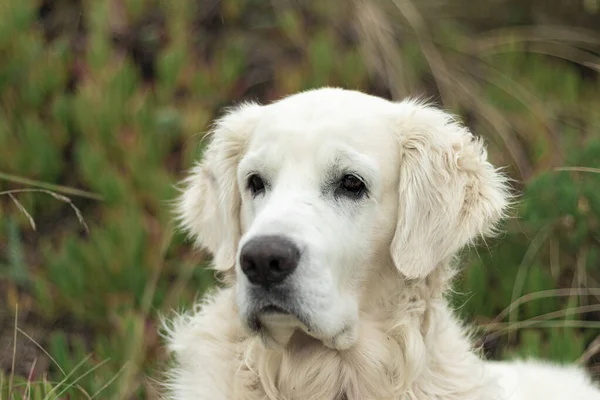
(102, 108)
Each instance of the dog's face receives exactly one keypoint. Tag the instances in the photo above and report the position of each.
(318, 201)
(306, 197)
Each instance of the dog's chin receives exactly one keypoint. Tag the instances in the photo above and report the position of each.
(275, 328)
(273, 325)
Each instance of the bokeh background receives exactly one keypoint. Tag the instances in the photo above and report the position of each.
(102, 109)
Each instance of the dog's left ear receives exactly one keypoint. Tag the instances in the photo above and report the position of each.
(449, 193)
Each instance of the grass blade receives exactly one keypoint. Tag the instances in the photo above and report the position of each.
(49, 186)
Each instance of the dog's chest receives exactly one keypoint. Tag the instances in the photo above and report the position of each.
(312, 371)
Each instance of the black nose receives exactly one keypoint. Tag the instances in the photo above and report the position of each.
(268, 260)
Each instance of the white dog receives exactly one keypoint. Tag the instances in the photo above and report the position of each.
(335, 217)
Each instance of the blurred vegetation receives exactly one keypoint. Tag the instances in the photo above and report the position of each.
(109, 97)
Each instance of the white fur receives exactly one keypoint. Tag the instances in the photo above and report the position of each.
(370, 319)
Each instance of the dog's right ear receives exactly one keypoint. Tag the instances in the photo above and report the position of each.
(209, 208)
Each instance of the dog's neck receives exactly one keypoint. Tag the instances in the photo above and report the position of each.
(410, 347)
(387, 292)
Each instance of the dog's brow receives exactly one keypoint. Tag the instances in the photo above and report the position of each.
(352, 162)
(251, 163)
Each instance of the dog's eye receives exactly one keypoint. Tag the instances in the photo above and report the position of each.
(352, 185)
(256, 185)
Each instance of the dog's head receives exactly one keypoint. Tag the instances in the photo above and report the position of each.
(306, 197)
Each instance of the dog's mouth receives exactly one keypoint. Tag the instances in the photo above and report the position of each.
(270, 314)
(275, 325)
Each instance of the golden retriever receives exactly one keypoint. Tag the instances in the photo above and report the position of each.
(335, 217)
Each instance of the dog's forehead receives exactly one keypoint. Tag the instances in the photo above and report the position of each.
(319, 126)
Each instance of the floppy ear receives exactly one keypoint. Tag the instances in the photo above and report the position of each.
(449, 193)
(209, 208)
